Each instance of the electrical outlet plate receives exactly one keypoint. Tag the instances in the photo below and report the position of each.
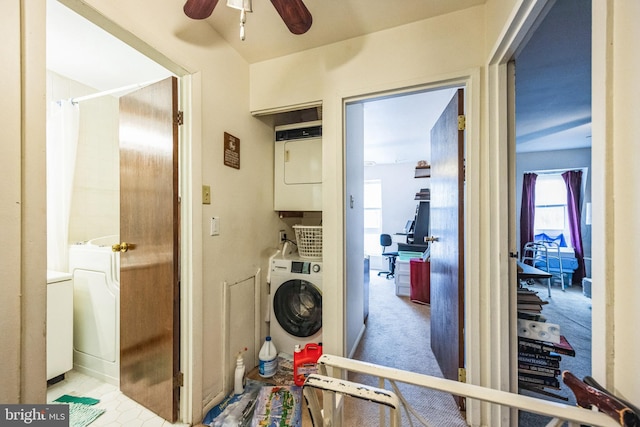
(282, 236)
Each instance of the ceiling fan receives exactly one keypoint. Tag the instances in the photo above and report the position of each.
(294, 13)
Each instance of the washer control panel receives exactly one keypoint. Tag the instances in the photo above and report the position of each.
(304, 267)
(296, 267)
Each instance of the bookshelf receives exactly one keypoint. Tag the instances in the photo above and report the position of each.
(423, 195)
(423, 172)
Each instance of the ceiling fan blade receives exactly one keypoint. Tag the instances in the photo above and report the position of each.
(199, 9)
(295, 15)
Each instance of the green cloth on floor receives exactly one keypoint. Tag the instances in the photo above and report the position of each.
(65, 398)
(81, 415)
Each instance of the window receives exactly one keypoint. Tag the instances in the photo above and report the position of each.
(551, 206)
(372, 216)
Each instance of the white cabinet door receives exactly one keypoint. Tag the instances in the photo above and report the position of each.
(59, 328)
(298, 175)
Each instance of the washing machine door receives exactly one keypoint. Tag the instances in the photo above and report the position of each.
(297, 305)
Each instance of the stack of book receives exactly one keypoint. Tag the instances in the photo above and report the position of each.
(539, 362)
(540, 346)
(540, 351)
(529, 303)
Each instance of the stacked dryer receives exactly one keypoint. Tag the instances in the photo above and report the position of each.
(296, 302)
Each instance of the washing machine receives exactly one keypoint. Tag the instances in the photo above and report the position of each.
(295, 302)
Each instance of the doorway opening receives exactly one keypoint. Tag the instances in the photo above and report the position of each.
(552, 90)
(388, 149)
(83, 197)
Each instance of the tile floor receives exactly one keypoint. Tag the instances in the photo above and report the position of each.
(120, 410)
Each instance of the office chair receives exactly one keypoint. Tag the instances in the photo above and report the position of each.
(385, 241)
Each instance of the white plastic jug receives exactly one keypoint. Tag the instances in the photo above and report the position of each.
(268, 359)
(238, 384)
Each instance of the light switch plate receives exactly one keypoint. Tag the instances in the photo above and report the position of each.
(215, 226)
(206, 195)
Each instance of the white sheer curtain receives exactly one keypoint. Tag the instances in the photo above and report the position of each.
(62, 143)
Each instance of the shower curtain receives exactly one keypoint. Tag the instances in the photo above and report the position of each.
(62, 143)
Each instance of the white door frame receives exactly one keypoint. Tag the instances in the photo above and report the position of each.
(502, 271)
(501, 135)
(470, 80)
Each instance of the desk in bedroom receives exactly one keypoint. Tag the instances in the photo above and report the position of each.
(525, 271)
(412, 247)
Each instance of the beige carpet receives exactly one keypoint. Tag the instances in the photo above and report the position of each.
(398, 336)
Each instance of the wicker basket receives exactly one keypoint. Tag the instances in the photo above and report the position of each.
(309, 240)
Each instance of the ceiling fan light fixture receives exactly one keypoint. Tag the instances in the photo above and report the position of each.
(240, 5)
(294, 13)
(244, 6)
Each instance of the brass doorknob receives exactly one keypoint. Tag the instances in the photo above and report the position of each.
(122, 247)
(431, 239)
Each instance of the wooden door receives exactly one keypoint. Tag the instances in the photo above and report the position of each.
(447, 274)
(149, 292)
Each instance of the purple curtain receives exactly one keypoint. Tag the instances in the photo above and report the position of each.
(573, 180)
(528, 209)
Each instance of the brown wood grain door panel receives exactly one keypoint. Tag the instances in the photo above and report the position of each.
(149, 292)
(447, 225)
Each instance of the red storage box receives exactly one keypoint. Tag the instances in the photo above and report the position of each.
(420, 289)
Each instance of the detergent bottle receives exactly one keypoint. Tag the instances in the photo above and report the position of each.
(238, 384)
(305, 362)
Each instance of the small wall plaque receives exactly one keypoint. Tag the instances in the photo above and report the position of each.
(231, 151)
